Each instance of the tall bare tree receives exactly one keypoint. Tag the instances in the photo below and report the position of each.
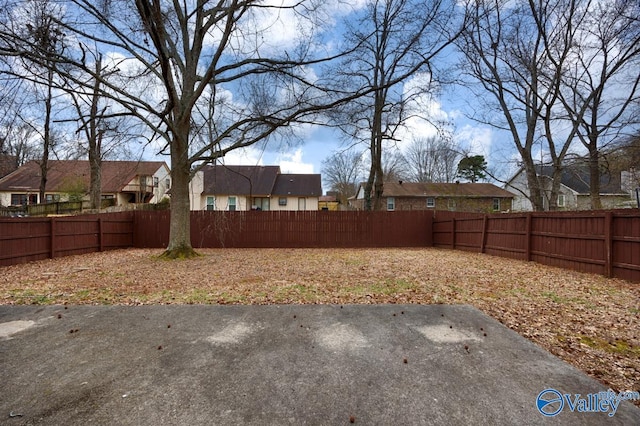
(178, 53)
(602, 81)
(397, 40)
(40, 33)
(432, 159)
(106, 133)
(343, 172)
(517, 51)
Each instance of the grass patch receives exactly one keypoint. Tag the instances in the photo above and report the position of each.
(387, 287)
(29, 297)
(297, 292)
(199, 296)
(619, 347)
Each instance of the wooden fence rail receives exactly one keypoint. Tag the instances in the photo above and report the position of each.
(602, 242)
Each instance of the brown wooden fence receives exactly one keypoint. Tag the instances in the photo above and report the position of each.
(601, 242)
(214, 229)
(27, 239)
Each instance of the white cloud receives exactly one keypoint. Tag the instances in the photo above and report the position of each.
(243, 157)
(293, 163)
(426, 109)
(475, 140)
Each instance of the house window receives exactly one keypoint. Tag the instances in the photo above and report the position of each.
(167, 183)
(261, 204)
(431, 202)
(302, 204)
(451, 203)
(23, 199)
(561, 200)
(391, 204)
(211, 203)
(51, 198)
(496, 204)
(282, 201)
(156, 181)
(232, 204)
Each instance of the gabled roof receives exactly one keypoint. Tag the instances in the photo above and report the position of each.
(7, 164)
(467, 190)
(239, 180)
(298, 185)
(576, 177)
(115, 175)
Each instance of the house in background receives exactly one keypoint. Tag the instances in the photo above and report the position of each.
(241, 188)
(329, 202)
(574, 189)
(462, 197)
(124, 182)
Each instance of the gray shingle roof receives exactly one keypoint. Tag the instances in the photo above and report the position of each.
(413, 189)
(7, 164)
(239, 180)
(576, 177)
(309, 185)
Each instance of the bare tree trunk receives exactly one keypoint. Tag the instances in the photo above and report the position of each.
(95, 167)
(180, 218)
(555, 186)
(44, 163)
(95, 144)
(594, 176)
(533, 182)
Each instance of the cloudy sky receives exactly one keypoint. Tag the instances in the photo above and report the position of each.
(318, 143)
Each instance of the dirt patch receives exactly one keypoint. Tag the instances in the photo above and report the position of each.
(588, 320)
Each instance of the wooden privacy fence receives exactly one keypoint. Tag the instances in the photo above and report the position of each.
(601, 242)
(216, 229)
(27, 239)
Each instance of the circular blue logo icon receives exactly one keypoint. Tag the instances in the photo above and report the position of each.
(550, 402)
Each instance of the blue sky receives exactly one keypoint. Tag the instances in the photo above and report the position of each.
(318, 143)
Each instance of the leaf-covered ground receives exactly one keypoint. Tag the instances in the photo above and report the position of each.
(588, 320)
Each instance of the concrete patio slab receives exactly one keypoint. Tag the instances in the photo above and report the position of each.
(284, 364)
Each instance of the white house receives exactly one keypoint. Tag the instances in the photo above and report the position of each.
(241, 188)
(574, 191)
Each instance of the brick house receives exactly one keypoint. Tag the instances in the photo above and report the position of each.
(463, 197)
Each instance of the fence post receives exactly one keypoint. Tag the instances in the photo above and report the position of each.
(52, 226)
(100, 238)
(483, 242)
(528, 238)
(453, 233)
(608, 242)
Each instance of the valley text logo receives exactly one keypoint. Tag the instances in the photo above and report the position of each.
(551, 402)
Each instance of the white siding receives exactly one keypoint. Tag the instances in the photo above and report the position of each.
(311, 203)
(196, 186)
